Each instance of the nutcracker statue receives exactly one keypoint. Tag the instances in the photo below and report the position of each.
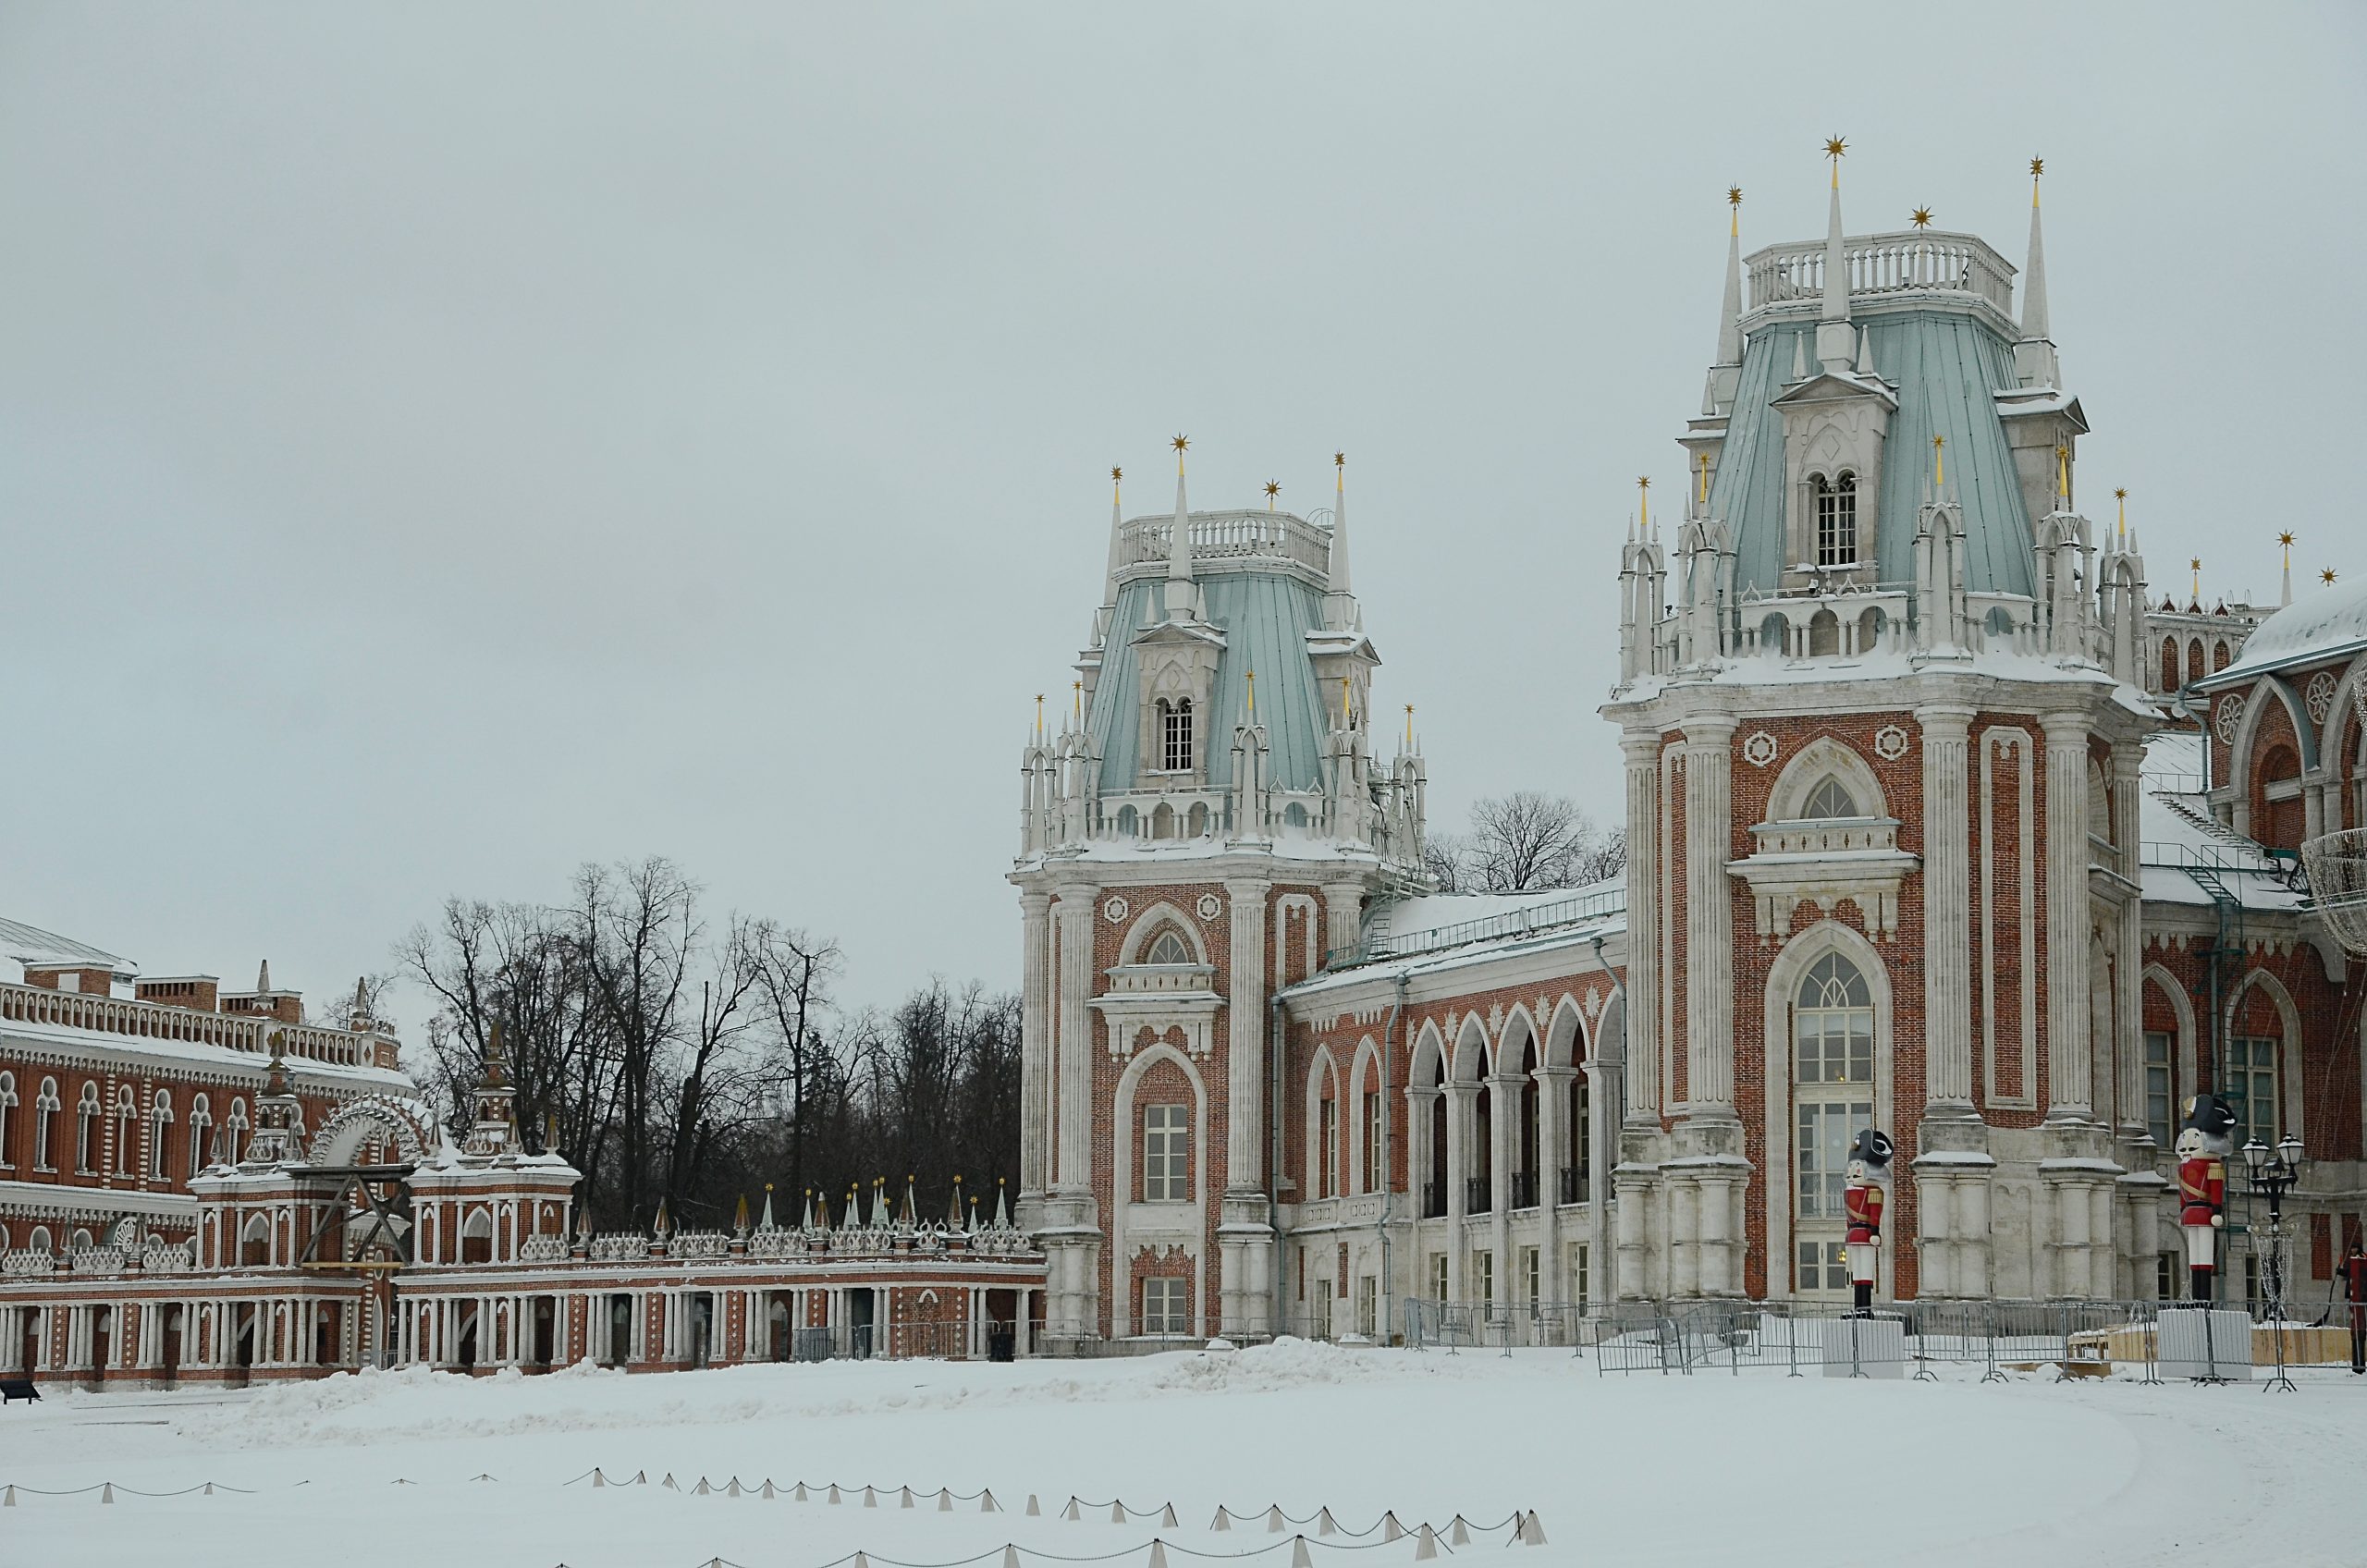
(2205, 1143)
(1861, 1203)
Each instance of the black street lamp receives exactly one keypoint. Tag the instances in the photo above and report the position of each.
(2272, 1174)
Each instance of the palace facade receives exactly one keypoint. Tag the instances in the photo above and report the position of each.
(1926, 831)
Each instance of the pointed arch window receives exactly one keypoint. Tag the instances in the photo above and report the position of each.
(1168, 947)
(200, 1127)
(160, 1118)
(86, 1131)
(1833, 1100)
(126, 1125)
(8, 1119)
(1829, 799)
(234, 1132)
(46, 1126)
(1836, 521)
(1175, 734)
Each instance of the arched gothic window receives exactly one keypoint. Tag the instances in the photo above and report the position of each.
(234, 1132)
(1175, 734)
(200, 1127)
(86, 1131)
(7, 1118)
(1833, 1098)
(46, 1126)
(1836, 521)
(127, 1124)
(1831, 797)
(1168, 947)
(160, 1116)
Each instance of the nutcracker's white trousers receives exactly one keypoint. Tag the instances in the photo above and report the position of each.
(2201, 1246)
(1861, 1262)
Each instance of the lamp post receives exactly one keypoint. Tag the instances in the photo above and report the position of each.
(2272, 1174)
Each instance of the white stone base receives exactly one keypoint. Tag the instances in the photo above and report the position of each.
(2184, 1350)
(1865, 1347)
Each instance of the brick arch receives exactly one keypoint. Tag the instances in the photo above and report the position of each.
(1158, 918)
(1322, 1084)
(2289, 1082)
(1151, 1066)
(1819, 759)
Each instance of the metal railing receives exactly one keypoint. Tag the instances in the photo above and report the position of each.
(1598, 904)
(1476, 1197)
(2068, 1338)
(1524, 1185)
(1500, 1326)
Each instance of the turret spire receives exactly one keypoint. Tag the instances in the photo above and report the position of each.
(1179, 544)
(1339, 600)
(1834, 341)
(1117, 524)
(2034, 275)
(2034, 361)
(2284, 542)
(1730, 311)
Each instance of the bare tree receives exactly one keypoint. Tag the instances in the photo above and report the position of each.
(794, 972)
(1525, 842)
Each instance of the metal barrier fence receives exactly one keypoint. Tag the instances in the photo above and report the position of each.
(1459, 1325)
(2161, 1339)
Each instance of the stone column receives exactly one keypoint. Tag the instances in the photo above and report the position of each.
(1641, 749)
(1244, 1232)
(1073, 916)
(2069, 1058)
(1503, 1132)
(1947, 910)
(1709, 919)
(1034, 1049)
(1553, 1150)
(1462, 1127)
(1343, 905)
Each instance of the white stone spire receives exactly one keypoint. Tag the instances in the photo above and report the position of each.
(1834, 340)
(1340, 601)
(1725, 373)
(1180, 592)
(2034, 361)
(1117, 525)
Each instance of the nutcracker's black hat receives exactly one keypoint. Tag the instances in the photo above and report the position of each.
(2210, 1116)
(1873, 1146)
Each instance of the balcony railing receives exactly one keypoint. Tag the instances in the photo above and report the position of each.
(1575, 1188)
(157, 1021)
(1524, 1189)
(1595, 905)
(1230, 536)
(1434, 1200)
(1476, 1199)
(1882, 263)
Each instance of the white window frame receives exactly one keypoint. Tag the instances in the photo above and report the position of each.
(1166, 1305)
(2161, 1087)
(1833, 1098)
(88, 1113)
(2254, 1060)
(1167, 1152)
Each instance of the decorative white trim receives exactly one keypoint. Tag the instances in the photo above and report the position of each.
(1760, 749)
(1889, 743)
(1115, 911)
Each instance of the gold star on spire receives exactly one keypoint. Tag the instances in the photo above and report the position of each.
(2038, 167)
(1733, 195)
(1116, 474)
(1181, 443)
(1834, 147)
(1338, 460)
(2196, 564)
(2120, 493)
(1920, 217)
(1273, 488)
(2285, 538)
(2326, 577)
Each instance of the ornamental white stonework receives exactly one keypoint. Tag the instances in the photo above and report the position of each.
(1210, 906)
(1889, 743)
(2230, 714)
(1760, 750)
(1115, 911)
(2319, 697)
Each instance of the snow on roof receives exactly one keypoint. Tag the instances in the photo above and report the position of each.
(38, 949)
(2326, 624)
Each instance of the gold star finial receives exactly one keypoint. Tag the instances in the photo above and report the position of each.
(1920, 217)
(2285, 538)
(2120, 493)
(1733, 195)
(2326, 577)
(1116, 474)
(2195, 564)
(1182, 444)
(2038, 167)
(1338, 460)
(1273, 488)
(1835, 148)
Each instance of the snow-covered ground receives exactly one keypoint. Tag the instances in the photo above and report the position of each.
(404, 1468)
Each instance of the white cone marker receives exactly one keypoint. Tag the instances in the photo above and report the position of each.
(1033, 1510)
(987, 1503)
(1531, 1532)
(1274, 1520)
(1299, 1559)
(1116, 1513)
(1426, 1544)
(1458, 1532)
(1390, 1528)
(1324, 1525)
(1167, 1517)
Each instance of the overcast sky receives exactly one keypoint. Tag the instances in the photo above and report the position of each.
(440, 445)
